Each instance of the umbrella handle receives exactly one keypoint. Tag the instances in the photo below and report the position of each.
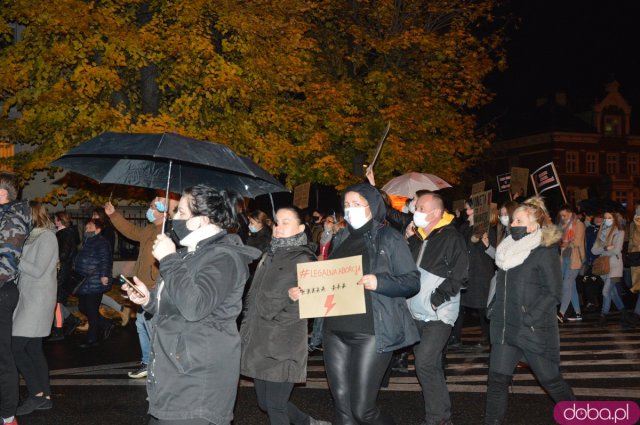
(166, 199)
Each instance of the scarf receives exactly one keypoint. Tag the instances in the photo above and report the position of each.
(295, 240)
(605, 235)
(33, 235)
(510, 253)
(568, 230)
(192, 240)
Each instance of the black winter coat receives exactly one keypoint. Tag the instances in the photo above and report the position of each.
(524, 311)
(94, 261)
(481, 269)
(398, 279)
(274, 338)
(260, 239)
(67, 250)
(445, 256)
(194, 363)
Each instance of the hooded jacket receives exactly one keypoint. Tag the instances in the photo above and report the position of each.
(444, 267)
(15, 224)
(524, 312)
(195, 348)
(398, 278)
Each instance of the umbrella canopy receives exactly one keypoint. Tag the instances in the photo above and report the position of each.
(145, 160)
(408, 184)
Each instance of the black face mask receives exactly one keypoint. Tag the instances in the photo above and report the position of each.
(180, 229)
(518, 232)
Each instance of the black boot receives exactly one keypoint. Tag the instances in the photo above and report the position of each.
(57, 334)
(70, 324)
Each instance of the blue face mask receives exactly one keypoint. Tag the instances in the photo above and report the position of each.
(150, 216)
(253, 229)
(160, 206)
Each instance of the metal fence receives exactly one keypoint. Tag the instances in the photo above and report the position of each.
(124, 249)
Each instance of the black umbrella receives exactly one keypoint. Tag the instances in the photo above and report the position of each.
(167, 161)
(152, 160)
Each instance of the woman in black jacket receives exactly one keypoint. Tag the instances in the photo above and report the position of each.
(195, 354)
(358, 348)
(274, 338)
(95, 263)
(259, 230)
(523, 316)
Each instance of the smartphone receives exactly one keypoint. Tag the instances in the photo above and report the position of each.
(131, 285)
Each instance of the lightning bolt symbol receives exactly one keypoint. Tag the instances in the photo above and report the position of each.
(329, 304)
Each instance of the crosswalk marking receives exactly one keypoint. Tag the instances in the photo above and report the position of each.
(597, 362)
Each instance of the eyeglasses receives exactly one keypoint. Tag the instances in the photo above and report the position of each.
(354, 205)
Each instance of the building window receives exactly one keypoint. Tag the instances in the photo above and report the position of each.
(572, 162)
(612, 163)
(591, 163)
(632, 164)
(612, 126)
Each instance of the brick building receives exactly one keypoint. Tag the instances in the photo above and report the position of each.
(594, 152)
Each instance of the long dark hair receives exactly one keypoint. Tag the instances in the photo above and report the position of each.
(218, 205)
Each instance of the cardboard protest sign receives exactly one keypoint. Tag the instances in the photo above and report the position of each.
(519, 180)
(504, 182)
(477, 187)
(301, 195)
(581, 194)
(481, 211)
(330, 288)
(545, 178)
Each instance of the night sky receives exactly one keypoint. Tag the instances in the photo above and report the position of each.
(570, 46)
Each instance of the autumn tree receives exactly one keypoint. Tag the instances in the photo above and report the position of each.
(300, 86)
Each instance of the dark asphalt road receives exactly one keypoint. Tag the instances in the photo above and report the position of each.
(90, 387)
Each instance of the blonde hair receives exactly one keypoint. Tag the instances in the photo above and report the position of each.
(536, 210)
(39, 215)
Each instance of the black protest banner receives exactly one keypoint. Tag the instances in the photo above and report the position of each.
(504, 182)
(545, 178)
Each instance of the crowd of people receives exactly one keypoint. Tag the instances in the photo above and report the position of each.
(216, 296)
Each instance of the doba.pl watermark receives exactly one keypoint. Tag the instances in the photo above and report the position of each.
(596, 413)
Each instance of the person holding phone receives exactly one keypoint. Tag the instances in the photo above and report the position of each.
(194, 361)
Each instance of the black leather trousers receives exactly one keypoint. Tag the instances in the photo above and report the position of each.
(355, 371)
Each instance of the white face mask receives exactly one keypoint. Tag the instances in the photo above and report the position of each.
(504, 219)
(420, 219)
(608, 222)
(412, 207)
(356, 216)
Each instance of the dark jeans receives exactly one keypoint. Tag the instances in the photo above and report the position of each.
(503, 361)
(434, 336)
(273, 398)
(154, 421)
(32, 364)
(89, 305)
(355, 371)
(8, 373)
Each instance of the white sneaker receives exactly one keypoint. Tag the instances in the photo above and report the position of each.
(141, 372)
